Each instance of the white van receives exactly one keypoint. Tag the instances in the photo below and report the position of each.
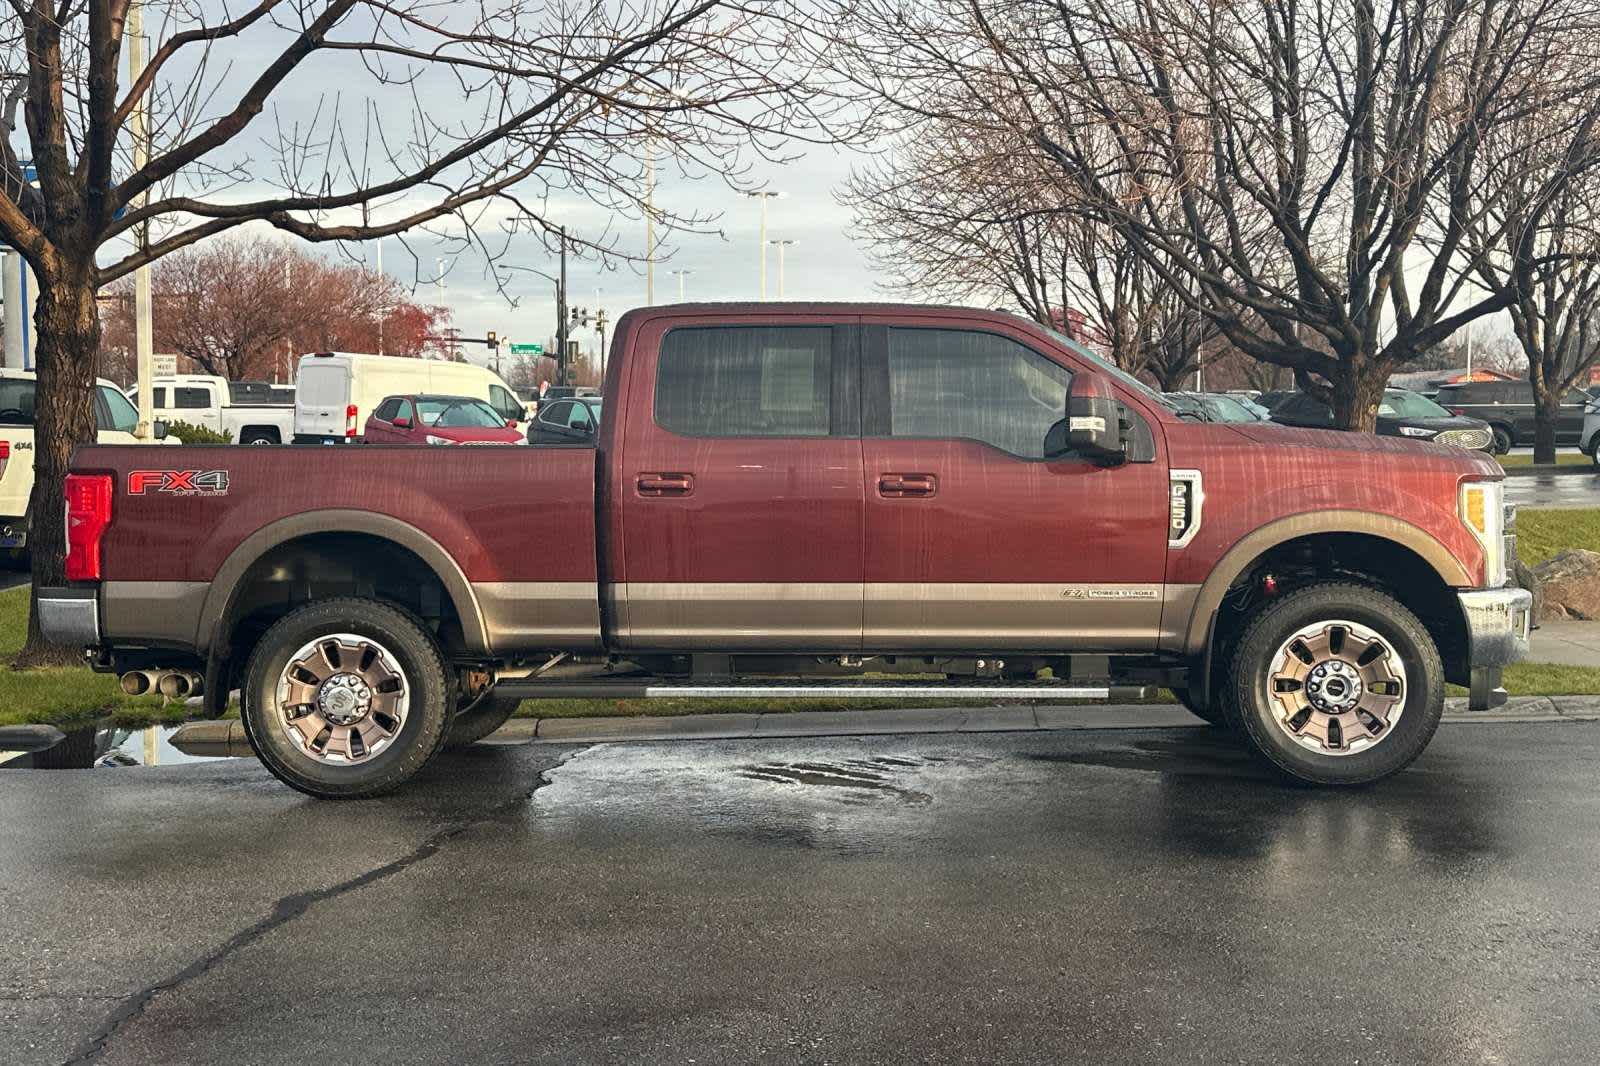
(113, 414)
(336, 391)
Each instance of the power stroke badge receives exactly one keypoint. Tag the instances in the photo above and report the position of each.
(178, 482)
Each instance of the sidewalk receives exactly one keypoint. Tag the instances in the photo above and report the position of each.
(1566, 644)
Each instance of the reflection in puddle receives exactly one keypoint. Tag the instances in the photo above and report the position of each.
(106, 748)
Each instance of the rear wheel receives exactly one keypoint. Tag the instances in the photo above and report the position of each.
(259, 436)
(1337, 684)
(478, 721)
(1212, 714)
(346, 698)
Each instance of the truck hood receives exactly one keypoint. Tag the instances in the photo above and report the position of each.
(1367, 445)
(477, 435)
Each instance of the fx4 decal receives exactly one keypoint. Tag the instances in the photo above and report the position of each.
(178, 482)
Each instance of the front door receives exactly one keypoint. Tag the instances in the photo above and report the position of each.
(739, 488)
(975, 541)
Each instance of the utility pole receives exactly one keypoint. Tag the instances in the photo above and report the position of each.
(782, 244)
(681, 275)
(763, 195)
(384, 311)
(139, 123)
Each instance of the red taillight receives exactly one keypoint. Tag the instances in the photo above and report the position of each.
(1456, 410)
(350, 421)
(88, 517)
(5, 450)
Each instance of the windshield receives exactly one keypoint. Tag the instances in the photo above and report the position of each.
(124, 418)
(1229, 409)
(1122, 376)
(1398, 403)
(447, 413)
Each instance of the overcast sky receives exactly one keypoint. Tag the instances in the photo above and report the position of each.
(822, 264)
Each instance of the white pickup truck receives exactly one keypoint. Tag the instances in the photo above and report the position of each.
(251, 412)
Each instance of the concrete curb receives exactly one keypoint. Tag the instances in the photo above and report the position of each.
(218, 738)
(29, 737)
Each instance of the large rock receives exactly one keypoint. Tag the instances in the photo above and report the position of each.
(1570, 584)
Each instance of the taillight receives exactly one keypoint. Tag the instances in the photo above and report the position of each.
(1456, 410)
(5, 450)
(350, 421)
(88, 517)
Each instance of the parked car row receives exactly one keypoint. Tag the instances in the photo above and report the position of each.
(1400, 414)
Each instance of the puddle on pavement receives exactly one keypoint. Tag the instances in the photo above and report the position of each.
(108, 749)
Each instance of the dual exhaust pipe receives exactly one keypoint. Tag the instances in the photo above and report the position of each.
(176, 684)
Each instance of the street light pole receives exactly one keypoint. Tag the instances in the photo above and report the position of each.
(763, 195)
(650, 223)
(782, 244)
(681, 275)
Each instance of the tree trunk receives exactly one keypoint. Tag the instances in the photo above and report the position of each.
(1357, 391)
(1546, 411)
(68, 325)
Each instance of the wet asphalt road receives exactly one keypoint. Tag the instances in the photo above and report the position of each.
(1130, 896)
(1554, 490)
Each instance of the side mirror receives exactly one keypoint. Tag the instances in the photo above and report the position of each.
(402, 422)
(1094, 425)
(511, 423)
(158, 429)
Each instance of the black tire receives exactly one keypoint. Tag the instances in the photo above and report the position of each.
(1422, 701)
(479, 720)
(1503, 440)
(259, 436)
(1212, 715)
(427, 717)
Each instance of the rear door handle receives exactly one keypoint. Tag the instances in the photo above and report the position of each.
(895, 486)
(665, 484)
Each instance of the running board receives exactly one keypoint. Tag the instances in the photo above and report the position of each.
(655, 689)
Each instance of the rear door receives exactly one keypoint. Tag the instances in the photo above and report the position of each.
(739, 487)
(321, 395)
(975, 541)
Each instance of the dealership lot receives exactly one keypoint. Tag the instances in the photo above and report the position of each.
(1122, 896)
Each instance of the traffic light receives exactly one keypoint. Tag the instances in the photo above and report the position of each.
(491, 341)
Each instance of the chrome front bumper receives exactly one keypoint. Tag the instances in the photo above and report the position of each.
(70, 617)
(1498, 623)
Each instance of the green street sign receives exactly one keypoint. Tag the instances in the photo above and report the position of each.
(527, 349)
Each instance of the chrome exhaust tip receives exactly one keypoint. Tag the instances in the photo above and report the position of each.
(177, 684)
(138, 682)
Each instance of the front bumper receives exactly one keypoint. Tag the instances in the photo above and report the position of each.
(70, 617)
(1498, 623)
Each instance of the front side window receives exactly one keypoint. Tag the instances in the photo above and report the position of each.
(1306, 409)
(505, 403)
(978, 386)
(115, 412)
(388, 409)
(558, 413)
(746, 381)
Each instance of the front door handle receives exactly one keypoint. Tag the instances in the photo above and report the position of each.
(895, 486)
(665, 484)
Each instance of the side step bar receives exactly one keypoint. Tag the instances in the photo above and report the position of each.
(656, 688)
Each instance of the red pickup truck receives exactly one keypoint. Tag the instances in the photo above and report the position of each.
(799, 500)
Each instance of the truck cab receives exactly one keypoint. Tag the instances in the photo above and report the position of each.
(814, 499)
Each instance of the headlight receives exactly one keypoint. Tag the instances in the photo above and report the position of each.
(1415, 431)
(440, 440)
(1483, 511)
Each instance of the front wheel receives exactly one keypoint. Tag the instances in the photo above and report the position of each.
(1502, 440)
(1337, 684)
(346, 698)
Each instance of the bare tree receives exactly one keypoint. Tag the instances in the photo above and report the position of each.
(346, 120)
(1284, 159)
(1538, 243)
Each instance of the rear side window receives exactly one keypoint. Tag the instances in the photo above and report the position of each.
(978, 386)
(746, 381)
(16, 402)
(191, 399)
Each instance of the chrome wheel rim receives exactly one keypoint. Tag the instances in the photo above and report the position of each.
(342, 699)
(1337, 688)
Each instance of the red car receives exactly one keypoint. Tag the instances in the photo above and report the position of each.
(431, 419)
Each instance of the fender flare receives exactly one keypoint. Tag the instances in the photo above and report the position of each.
(224, 588)
(1197, 639)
